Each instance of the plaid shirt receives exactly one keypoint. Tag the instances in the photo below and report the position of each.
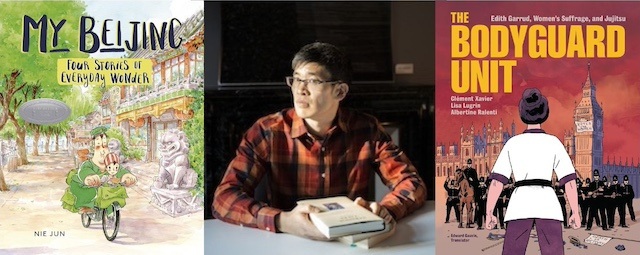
(299, 166)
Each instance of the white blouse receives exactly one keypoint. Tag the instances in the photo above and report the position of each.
(533, 156)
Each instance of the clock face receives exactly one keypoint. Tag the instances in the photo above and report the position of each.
(584, 126)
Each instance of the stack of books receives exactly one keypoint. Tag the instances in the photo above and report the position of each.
(350, 223)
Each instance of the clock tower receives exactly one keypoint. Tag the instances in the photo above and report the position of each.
(589, 133)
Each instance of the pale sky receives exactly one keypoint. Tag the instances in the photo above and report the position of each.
(156, 11)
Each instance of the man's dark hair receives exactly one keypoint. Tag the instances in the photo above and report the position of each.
(327, 55)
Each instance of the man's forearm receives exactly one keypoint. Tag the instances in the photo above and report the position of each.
(240, 209)
(406, 197)
(232, 204)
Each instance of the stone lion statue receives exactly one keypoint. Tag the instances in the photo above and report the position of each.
(116, 148)
(175, 171)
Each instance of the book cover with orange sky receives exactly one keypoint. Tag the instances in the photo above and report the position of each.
(580, 55)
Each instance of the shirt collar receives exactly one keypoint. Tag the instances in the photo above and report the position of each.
(297, 125)
(298, 128)
(534, 130)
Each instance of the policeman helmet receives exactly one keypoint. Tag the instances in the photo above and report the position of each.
(604, 179)
(596, 173)
(458, 170)
(625, 178)
(587, 180)
(469, 161)
(482, 179)
(452, 182)
(579, 181)
(615, 178)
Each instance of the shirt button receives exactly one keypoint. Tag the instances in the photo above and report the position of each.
(322, 175)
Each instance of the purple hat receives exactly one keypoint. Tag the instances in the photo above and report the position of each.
(534, 107)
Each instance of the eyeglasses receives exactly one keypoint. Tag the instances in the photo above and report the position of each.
(312, 84)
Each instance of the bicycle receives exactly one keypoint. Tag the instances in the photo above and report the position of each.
(109, 201)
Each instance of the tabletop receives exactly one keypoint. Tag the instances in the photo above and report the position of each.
(415, 234)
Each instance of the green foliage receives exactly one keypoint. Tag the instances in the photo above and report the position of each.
(194, 129)
(36, 66)
(135, 139)
(136, 153)
(125, 147)
(8, 133)
(80, 102)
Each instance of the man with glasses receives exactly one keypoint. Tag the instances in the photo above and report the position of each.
(315, 149)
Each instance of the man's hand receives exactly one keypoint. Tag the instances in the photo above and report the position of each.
(92, 180)
(377, 209)
(129, 179)
(492, 221)
(297, 222)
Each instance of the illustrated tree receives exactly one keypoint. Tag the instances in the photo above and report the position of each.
(20, 69)
(36, 131)
(29, 92)
(32, 68)
(81, 103)
(9, 134)
(8, 89)
(194, 129)
(57, 130)
(47, 130)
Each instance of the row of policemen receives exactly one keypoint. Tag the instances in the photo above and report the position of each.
(480, 202)
(480, 186)
(599, 200)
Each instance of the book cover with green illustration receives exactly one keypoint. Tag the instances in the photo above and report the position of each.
(101, 127)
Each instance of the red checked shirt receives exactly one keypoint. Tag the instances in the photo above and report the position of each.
(299, 166)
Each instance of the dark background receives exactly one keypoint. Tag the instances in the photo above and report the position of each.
(405, 102)
(258, 39)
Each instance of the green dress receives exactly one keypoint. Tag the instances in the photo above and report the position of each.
(85, 195)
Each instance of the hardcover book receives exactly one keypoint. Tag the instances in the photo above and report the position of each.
(101, 127)
(369, 239)
(340, 216)
(496, 61)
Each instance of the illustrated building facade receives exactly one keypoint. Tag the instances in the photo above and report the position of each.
(145, 113)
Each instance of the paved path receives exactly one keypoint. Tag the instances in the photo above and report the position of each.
(33, 206)
(453, 240)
